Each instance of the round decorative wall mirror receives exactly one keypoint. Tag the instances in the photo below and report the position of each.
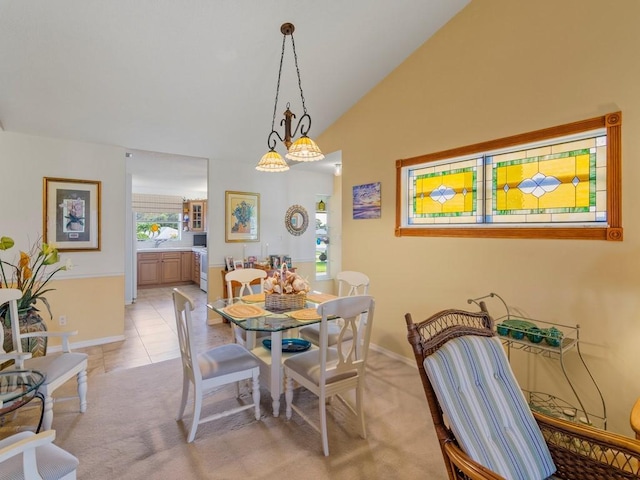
(296, 220)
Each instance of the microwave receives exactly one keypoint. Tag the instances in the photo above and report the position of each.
(200, 240)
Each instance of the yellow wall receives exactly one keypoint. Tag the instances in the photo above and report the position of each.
(501, 68)
(92, 306)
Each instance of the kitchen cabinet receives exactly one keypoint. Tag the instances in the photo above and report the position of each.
(187, 266)
(196, 268)
(195, 215)
(163, 268)
(171, 270)
(149, 266)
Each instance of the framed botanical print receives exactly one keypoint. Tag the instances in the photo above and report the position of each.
(71, 217)
(242, 217)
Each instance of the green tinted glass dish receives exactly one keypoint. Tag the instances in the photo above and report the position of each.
(518, 328)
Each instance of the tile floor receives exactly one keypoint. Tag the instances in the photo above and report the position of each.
(150, 331)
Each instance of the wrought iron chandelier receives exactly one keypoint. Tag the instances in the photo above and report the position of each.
(303, 149)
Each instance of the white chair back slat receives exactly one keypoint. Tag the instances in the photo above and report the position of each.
(244, 276)
(352, 283)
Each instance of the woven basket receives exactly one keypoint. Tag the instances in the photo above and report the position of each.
(284, 302)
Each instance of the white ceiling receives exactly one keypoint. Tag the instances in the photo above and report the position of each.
(196, 78)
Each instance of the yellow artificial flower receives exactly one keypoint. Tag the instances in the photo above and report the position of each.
(29, 274)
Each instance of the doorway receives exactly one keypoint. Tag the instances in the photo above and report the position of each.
(155, 173)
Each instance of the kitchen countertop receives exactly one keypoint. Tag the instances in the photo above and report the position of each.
(171, 249)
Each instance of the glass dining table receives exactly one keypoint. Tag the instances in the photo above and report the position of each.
(252, 317)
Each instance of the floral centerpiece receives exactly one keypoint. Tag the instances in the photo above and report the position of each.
(30, 273)
(285, 290)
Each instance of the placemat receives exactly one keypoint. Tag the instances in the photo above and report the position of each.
(320, 297)
(305, 314)
(244, 310)
(253, 298)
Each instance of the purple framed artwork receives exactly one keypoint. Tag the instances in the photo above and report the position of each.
(366, 201)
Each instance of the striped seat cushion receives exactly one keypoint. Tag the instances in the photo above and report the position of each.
(486, 409)
(53, 462)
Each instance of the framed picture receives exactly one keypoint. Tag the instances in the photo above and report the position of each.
(251, 261)
(275, 261)
(242, 217)
(71, 217)
(228, 263)
(366, 201)
(238, 264)
(286, 260)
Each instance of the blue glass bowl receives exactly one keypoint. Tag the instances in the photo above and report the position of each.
(517, 334)
(534, 334)
(502, 329)
(289, 344)
(553, 337)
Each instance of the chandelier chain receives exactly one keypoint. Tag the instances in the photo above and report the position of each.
(275, 104)
(295, 58)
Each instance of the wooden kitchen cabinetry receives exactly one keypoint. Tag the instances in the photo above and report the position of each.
(171, 271)
(162, 268)
(195, 215)
(149, 269)
(187, 266)
(195, 278)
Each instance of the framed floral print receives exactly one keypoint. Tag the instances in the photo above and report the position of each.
(242, 217)
(71, 217)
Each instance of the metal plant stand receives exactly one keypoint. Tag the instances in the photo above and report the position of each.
(551, 340)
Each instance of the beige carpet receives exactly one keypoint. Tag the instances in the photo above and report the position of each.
(129, 432)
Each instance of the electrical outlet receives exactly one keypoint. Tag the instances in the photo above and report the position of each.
(62, 320)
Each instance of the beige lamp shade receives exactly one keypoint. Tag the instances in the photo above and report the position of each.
(304, 150)
(272, 161)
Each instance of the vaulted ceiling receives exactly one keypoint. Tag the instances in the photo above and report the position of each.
(196, 77)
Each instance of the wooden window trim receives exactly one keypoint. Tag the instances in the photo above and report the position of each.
(613, 124)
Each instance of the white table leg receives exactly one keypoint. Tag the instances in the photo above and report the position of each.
(276, 369)
(250, 341)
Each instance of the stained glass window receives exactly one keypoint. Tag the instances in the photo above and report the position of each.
(560, 182)
(550, 184)
(445, 193)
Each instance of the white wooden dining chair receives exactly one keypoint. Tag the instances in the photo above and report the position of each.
(31, 456)
(333, 370)
(218, 366)
(349, 283)
(244, 277)
(58, 367)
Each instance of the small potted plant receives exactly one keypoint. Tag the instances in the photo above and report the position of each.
(29, 272)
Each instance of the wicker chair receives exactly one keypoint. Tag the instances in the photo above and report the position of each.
(635, 418)
(578, 451)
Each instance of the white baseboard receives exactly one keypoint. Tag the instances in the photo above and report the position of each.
(88, 343)
(395, 356)
(213, 321)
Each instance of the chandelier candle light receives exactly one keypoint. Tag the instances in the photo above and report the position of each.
(302, 150)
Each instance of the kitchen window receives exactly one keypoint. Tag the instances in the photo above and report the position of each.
(158, 217)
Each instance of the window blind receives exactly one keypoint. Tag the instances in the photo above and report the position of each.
(148, 203)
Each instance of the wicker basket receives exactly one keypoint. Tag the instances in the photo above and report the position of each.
(285, 302)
